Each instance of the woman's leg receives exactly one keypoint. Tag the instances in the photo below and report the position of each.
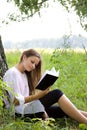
(55, 112)
(66, 105)
(84, 113)
(52, 109)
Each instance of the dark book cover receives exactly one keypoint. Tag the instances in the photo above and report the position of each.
(48, 79)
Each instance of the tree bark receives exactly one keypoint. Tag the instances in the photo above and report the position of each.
(3, 63)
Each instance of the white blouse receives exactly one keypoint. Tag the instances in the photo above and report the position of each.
(19, 84)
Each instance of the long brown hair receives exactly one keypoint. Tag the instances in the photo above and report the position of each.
(34, 75)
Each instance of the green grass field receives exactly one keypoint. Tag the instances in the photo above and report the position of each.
(72, 81)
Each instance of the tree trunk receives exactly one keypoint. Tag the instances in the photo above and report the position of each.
(3, 63)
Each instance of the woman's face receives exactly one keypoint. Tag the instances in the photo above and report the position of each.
(30, 63)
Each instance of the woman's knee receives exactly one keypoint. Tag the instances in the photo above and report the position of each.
(58, 93)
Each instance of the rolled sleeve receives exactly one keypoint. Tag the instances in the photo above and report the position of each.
(20, 98)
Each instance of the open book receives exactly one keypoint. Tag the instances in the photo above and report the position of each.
(48, 79)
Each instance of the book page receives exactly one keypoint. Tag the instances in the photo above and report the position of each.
(50, 72)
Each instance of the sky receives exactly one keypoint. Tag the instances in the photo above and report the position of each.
(55, 22)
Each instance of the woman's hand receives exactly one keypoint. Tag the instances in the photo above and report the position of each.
(42, 93)
(45, 91)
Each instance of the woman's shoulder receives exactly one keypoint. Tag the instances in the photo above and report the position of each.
(11, 71)
(10, 74)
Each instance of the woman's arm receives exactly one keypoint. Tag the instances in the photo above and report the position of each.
(32, 97)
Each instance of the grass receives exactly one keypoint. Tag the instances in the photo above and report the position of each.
(73, 73)
(72, 81)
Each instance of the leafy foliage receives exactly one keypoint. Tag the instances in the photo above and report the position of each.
(80, 7)
(27, 8)
(4, 112)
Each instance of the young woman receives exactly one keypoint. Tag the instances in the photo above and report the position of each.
(23, 77)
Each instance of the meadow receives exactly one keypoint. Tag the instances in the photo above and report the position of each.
(72, 81)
